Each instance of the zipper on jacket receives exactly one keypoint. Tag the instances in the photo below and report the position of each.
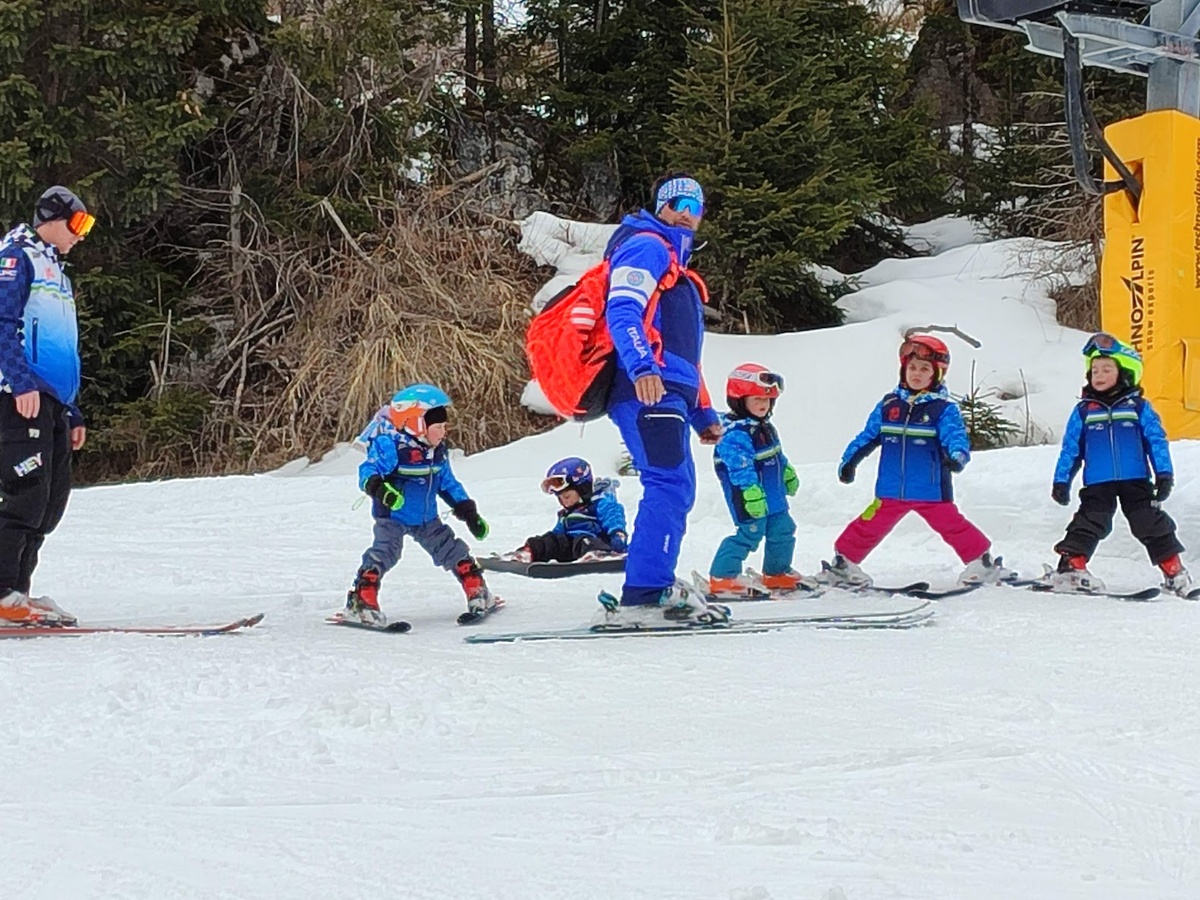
(904, 446)
(33, 341)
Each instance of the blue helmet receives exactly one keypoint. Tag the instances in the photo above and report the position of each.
(570, 473)
(409, 407)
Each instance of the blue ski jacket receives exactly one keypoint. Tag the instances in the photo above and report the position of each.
(600, 517)
(1114, 439)
(420, 472)
(919, 435)
(749, 453)
(39, 335)
(638, 260)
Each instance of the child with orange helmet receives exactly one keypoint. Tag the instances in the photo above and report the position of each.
(406, 470)
(923, 444)
(757, 480)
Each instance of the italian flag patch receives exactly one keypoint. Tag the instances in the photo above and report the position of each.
(9, 262)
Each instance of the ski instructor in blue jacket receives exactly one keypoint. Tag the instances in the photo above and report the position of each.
(40, 425)
(657, 394)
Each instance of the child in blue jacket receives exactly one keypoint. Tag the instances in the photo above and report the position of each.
(1116, 435)
(590, 518)
(406, 470)
(923, 442)
(757, 480)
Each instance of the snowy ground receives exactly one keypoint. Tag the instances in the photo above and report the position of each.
(1023, 746)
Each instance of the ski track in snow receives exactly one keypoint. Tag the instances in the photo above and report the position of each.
(1022, 746)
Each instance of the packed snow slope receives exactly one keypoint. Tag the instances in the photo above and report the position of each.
(1023, 746)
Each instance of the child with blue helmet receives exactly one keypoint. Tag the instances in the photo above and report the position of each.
(1117, 437)
(590, 518)
(757, 480)
(406, 470)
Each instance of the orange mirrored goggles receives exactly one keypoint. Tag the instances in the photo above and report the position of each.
(80, 223)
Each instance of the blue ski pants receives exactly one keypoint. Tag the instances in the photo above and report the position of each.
(780, 531)
(658, 441)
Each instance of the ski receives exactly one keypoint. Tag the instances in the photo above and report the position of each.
(32, 631)
(1144, 595)
(595, 565)
(899, 619)
(941, 594)
(470, 617)
(396, 627)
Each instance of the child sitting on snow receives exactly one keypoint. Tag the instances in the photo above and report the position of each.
(757, 480)
(1117, 436)
(591, 520)
(407, 468)
(924, 442)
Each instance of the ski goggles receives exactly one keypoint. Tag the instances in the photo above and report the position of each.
(922, 351)
(555, 484)
(80, 223)
(1102, 343)
(766, 379)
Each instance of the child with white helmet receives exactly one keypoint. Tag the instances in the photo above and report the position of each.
(924, 443)
(406, 470)
(1116, 436)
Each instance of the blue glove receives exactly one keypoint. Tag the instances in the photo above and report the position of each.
(385, 492)
(957, 462)
(754, 501)
(791, 481)
(618, 542)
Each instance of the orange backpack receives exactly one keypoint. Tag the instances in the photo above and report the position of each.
(570, 351)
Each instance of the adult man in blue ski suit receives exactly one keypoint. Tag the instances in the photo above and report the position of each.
(40, 425)
(658, 392)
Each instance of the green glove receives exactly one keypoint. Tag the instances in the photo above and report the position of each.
(791, 481)
(385, 492)
(754, 501)
(468, 514)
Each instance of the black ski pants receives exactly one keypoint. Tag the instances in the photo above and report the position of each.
(555, 547)
(1093, 520)
(35, 482)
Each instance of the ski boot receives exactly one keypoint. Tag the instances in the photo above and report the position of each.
(480, 600)
(843, 573)
(1177, 580)
(787, 582)
(362, 602)
(19, 609)
(677, 605)
(1073, 577)
(736, 588)
(986, 570)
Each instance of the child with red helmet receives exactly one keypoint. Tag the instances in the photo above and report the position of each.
(757, 479)
(924, 442)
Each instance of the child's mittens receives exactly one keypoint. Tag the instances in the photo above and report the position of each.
(1162, 487)
(385, 492)
(846, 473)
(957, 461)
(754, 501)
(467, 513)
(1061, 493)
(791, 481)
(618, 542)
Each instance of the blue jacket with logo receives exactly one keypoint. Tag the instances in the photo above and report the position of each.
(39, 335)
(1114, 438)
(421, 472)
(918, 434)
(749, 453)
(638, 260)
(600, 517)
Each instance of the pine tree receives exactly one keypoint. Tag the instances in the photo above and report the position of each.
(783, 115)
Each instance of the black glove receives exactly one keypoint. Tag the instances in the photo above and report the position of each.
(957, 462)
(1162, 487)
(1061, 493)
(384, 491)
(467, 513)
(846, 473)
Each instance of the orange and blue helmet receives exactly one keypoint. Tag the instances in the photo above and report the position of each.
(1128, 360)
(928, 348)
(416, 407)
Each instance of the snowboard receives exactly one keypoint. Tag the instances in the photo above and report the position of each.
(597, 565)
(32, 631)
